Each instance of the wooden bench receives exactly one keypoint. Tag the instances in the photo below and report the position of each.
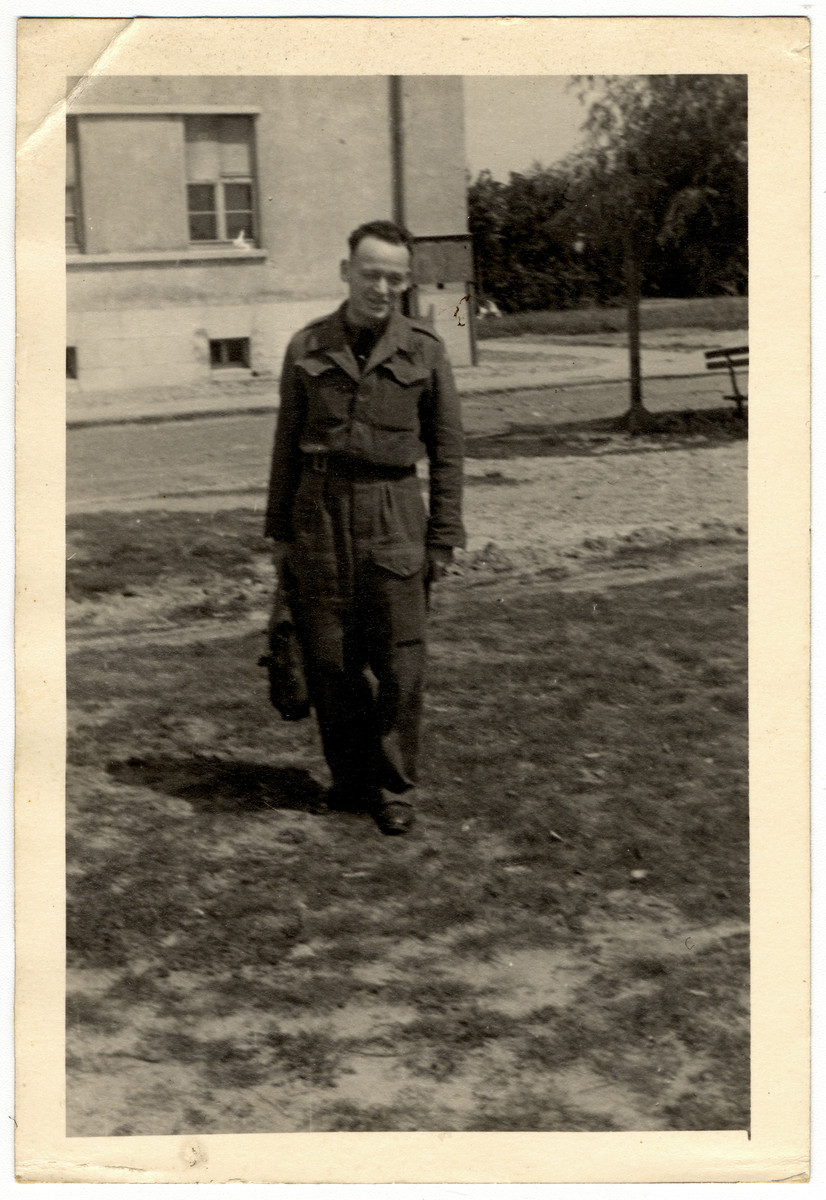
(727, 360)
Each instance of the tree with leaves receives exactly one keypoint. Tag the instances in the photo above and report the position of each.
(525, 236)
(665, 169)
(487, 212)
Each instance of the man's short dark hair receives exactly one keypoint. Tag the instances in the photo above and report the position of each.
(385, 231)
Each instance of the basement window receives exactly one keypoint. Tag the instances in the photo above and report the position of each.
(229, 352)
(71, 362)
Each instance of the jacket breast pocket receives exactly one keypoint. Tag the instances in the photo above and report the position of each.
(329, 391)
(397, 389)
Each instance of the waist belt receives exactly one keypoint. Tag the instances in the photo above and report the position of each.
(351, 468)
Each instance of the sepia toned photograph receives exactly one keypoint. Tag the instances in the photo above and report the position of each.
(412, 510)
(407, 775)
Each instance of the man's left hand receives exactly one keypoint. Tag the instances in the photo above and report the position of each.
(438, 560)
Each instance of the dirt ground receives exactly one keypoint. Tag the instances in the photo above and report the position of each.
(562, 944)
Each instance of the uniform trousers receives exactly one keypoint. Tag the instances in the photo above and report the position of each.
(356, 577)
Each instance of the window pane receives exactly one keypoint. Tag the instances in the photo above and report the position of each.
(236, 145)
(238, 352)
(202, 158)
(70, 202)
(201, 197)
(239, 222)
(217, 146)
(237, 196)
(202, 227)
(71, 234)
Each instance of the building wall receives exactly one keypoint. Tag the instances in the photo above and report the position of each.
(323, 159)
(144, 302)
(147, 346)
(433, 154)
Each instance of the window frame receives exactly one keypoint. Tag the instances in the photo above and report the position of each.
(219, 186)
(76, 246)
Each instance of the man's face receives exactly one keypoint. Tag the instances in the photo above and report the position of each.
(377, 274)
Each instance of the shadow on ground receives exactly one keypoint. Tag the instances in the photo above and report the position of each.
(608, 435)
(214, 785)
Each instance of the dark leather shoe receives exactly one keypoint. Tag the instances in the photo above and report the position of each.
(394, 817)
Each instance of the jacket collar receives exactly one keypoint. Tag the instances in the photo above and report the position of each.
(396, 336)
(330, 338)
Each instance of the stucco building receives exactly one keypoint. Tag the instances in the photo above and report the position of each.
(206, 217)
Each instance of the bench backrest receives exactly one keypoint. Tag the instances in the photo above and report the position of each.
(721, 360)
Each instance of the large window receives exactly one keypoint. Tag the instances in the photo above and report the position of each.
(73, 243)
(219, 173)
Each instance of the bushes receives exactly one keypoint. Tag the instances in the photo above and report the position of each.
(661, 181)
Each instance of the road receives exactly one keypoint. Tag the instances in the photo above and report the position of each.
(218, 461)
(165, 464)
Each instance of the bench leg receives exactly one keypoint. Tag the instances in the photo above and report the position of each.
(738, 397)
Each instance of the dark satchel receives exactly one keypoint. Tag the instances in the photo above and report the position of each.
(285, 664)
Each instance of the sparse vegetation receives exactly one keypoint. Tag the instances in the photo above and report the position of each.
(584, 805)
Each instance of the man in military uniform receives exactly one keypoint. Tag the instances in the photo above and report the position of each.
(365, 394)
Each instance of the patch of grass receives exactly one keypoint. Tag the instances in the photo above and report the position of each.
(688, 1011)
(95, 1015)
(536, 1110)
(246, 1061)
(438, 1044)
(578, 738)
(137, 988)
(137, 551)
(707, 1104)
(311, 1057)
(713, 312)
(195, 1118)
(222, 1062)
(692, 999)
(428, 994)
(210, 607)
(344, 1116)
(285, 990)
(463, 1027)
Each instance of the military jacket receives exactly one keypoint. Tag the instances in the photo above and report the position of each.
(401, 407)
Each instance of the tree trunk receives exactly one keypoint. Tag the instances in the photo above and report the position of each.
(637, 412)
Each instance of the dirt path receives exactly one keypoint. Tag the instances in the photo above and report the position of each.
(589, 572)
(561, 518)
